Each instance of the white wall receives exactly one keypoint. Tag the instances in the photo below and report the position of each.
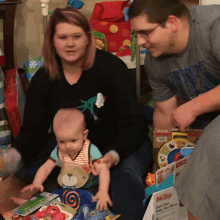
(209, 2)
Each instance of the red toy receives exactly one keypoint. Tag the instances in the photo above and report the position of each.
(150, 179)
(52, 212)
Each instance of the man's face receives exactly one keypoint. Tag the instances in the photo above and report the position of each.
(156, 39)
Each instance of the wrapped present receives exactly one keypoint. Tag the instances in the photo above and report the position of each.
(14, 101)
(5, 129)
(2, 59)
(108, 18)
(3, 169)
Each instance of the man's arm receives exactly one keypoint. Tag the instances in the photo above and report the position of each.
(207, 102)
(163, 112)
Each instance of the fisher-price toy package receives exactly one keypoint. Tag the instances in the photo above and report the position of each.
(172, 155)
(168, 144)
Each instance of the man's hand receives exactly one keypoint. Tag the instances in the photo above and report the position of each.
(183, 116)
(103, 199)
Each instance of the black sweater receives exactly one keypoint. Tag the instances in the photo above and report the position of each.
(118, 125)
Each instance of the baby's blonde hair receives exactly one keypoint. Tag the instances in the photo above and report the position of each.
(71, 116)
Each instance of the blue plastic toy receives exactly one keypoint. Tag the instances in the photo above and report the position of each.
(78, 4)
(184, 152)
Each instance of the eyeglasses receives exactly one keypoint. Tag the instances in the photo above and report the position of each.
(144, 33)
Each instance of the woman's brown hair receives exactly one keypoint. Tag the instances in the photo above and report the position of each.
(70, 16)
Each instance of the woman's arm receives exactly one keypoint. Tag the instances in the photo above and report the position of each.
(37, 118)
(131, 126)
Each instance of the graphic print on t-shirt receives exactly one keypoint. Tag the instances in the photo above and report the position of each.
(193, 81)
(96, 100)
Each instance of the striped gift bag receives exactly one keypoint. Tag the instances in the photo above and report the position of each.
(5, 130)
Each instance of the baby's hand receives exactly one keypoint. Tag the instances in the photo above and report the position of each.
(103, 199)
(34, 187)
(18, 201)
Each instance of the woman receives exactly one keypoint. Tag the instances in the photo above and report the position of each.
(98, 83)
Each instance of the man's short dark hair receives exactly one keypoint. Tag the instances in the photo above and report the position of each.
(158, 10)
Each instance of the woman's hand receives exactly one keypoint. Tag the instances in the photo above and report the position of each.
(108, 159)
(103, 199)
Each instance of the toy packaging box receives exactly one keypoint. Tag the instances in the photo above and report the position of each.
(171, 151)
(164, 203)
(166, 149)
(162, 136)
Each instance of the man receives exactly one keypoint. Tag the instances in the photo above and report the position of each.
(183, 60)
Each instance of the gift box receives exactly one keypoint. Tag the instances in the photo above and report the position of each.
(2, 59)
(14, 101)
(5, 129)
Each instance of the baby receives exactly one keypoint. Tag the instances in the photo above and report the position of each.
(73, 146)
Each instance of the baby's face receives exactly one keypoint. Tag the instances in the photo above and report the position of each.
(70, 140)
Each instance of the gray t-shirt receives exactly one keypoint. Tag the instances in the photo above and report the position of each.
(197, 69)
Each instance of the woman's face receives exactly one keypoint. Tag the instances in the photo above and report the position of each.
(70, 42)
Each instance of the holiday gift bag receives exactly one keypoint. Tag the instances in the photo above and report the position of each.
(32, 66)
(14, 100)
(108, 18)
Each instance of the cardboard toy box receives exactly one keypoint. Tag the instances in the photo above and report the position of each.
(164, 205)
(162, 136)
